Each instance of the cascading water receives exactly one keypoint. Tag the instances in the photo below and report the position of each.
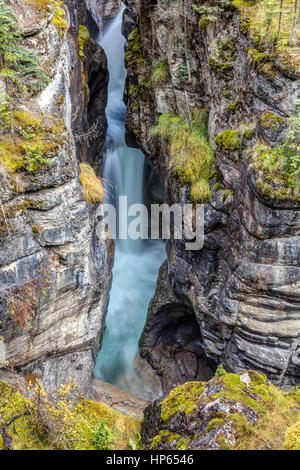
(136, 261)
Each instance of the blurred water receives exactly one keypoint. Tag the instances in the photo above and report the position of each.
(136, 261)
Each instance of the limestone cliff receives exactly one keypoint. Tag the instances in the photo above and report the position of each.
(237, 299)
(55, 265)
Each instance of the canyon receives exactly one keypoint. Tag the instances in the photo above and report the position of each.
(233, 303)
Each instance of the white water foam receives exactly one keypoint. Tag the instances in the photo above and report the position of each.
(136, 261)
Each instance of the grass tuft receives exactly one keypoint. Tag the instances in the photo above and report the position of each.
(192, 156)
(92, 185)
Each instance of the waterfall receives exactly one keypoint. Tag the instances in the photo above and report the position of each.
(136, 261)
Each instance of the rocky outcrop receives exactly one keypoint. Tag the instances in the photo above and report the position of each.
(53, 256)
(242, 288)
(89, 88)
(232, 412)
(118, 399)
(99, 12)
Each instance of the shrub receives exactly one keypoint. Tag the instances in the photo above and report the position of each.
(21, 299)
(102, 436)
(92, 185)
(220, 371)
(182, 75)
(192, 157)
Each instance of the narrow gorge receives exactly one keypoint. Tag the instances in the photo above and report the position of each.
(109, 341)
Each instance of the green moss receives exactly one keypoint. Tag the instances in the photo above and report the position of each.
(183, 444)
(59, 15)
(192, 157)
(133, 90)
(133, 55)
(223, 55)
(171, 439)
(204, 22)
(271, 121)
(20, 67)
(33, 143)
(83, 39)
(249, 132)
(228, 140)
(233, 106)
(245, 27)
(158, 439)
(241, 425)
(36, 229)
(214, 423)
(227, 95)
(234, 389)
(223, 442)
(226, 194)
(259, 57)
(102, 436)
(275, 413)
(182, 399)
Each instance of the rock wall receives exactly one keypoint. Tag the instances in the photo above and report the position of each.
(49, 234)
(243, 286)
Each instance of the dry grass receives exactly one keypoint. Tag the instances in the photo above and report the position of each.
(92, 185)
(278, 422)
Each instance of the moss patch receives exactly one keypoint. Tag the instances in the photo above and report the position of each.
(29, 142)
(228, 140)
(182, 399)
(271, 121)
(83, 39)
(59, 16)
(263, 416)
(292, 437)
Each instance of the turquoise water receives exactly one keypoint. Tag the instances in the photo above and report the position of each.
(136, 261)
